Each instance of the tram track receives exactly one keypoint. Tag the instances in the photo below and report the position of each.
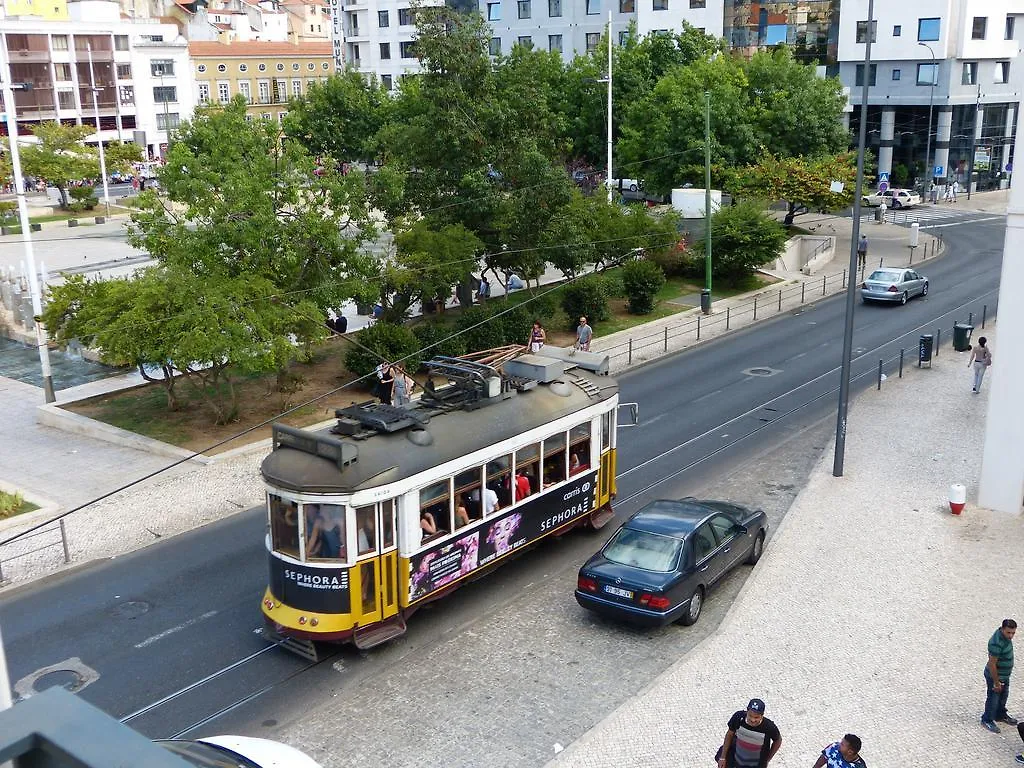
(152, 719)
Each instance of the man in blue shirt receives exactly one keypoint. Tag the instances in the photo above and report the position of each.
(997, 676)
(842, 754)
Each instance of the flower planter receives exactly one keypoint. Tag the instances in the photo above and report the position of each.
(100, 219)
(72, 222)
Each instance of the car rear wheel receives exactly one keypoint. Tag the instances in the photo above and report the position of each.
(693, 608)
(903, 298)
(924, 291)
(757, 550)
(632, 187)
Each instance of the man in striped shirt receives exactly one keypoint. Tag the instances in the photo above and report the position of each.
(752, 739)
(997, 676)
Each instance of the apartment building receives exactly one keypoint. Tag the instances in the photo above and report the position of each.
(960, 56)
(266, 74)
(139, 73)
(809, 27)
(309, 21)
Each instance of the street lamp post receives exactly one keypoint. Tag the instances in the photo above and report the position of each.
(705, 295)
(851, 282)
(26, 228)
(928, 165)
(974, 142)
(99, 138)
(608, 181)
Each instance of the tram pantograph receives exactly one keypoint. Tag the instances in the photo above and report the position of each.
(392, 507)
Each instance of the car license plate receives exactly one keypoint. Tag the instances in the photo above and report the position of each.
(619, 592)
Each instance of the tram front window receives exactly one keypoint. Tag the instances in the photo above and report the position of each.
(366, 529)
(284, 525)
(325, 532)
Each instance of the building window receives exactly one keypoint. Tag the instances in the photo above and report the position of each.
(296, 88)
(627, 6)
(494, 47)
(524, 9)
(204, 93)
(281, 116)
(862, 31)
(201, 68)
(387, 82)
(555, 43)
(127, 94)
(928, 29)
(970, 73)
(494, 11)
(162, 67)
(860, 74)
(165, 121)
(698, 4)
(120, 42)
(66, 99)
(407, 49)
(311, 67)
(897, 30)
(262, 67)
(1008, 34)
(383, 21)
(243, 67)
(525, 41)
(927, 74)
(63, 71)
(280, 67)
(593, 40)
(163, 94)
(555, 10)
(223, 92)
(280, 91)
(1002, 72)
(325, 65)
(263, 91)
(222, 67)
(245, 91)
(60, 42)
(405, 17)
(593, 8)
(895, 74)
(266, 116)
(978, 27)
(659, 5)
(385, 50)
(295, 67)
(623, 38)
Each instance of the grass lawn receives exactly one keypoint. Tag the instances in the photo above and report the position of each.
(8, 508)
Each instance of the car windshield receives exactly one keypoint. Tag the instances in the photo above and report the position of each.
(886, 275)
(207, 755)
(640, 549)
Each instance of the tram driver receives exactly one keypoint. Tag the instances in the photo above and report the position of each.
(314, 530)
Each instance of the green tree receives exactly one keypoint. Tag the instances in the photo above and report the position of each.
(119, 156)
(60, 156)
(803, 183)
(339, 118)
(743, 239)
(641, 281)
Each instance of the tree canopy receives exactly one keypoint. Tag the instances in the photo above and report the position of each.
(60, 156)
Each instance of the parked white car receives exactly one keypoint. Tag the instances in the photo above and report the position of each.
(893, 198)
(238, 752)
(630, 185)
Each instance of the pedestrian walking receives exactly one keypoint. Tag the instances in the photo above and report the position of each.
(842, 754)
(947, 195)
(997, 676)
(862, 252)
(956, 189)
(751, 740)
(401, 393)
(537, 337)
(1020, 732)
(584, 335)
(981, 358)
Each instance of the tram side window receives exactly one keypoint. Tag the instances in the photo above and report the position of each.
(499, 479)
(554, 459)
(387, 512)
(284, 525)
(366, 529)
(579, 449)
(435, 510)
(467, 492)
(331, 540)
(528, 466)
(606, 431)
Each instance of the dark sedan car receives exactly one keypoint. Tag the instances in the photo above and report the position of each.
(660, 565)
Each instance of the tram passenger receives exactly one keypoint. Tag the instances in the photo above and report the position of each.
(461, 513)
(367, 534)
(314, 530)
(385, 385)
(490, 504)
(427, 525)
(522, 484)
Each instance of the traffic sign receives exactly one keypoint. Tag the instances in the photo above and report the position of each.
(938, 170)
(883, 186)
(883, 176)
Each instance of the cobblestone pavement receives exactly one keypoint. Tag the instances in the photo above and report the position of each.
(869, 613)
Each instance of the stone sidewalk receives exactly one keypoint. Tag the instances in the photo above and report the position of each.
(869, 612)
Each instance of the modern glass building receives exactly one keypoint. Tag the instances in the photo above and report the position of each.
(811, 27)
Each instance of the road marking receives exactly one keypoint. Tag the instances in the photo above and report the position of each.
(958, 223)
(172, 630)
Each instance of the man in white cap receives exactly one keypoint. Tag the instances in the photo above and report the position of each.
(752, 739)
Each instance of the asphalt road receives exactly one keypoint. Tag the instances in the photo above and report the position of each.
(137, 630)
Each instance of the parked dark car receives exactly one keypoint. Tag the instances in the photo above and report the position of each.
(660, 565)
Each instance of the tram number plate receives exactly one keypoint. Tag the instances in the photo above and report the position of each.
(619, 592)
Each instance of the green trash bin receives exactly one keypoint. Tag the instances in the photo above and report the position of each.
(962, 336)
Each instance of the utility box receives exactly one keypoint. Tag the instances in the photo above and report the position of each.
(536, 367)
(690, 202)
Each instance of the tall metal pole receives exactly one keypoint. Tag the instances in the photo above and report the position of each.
(705, 302)
(99, 139)
(851, 284)
(975, 130)
(609, 148)
(26, 228)
(167, 117)
(928, 165)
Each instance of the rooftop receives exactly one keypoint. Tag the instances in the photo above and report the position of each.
(258, 48)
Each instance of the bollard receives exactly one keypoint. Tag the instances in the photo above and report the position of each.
(755, 307)
(629, 357)
(844, 278)
(901, 363)
(957, 498)
(803, 290)
(970, 318)
(698, 327)
(780, 300)
(880, 374)
(64, 541)
(938, 340)
(728, 311)
(666, 338)
(984, 311)
(823, 285)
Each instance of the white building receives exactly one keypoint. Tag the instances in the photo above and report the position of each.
(140, 70)
(376, 36)
(959, 55)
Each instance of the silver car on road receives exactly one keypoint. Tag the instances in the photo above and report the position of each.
(893, 285)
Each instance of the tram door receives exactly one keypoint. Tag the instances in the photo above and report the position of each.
(606, 481)
(387, 580)
(377, 592)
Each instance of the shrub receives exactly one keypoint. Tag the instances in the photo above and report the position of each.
(83, 199)
(641, 280)
(490, 331)
(586, 296)
(10, 503)
(743, 239)
(8, 211)
(428, 333)
(388, 341)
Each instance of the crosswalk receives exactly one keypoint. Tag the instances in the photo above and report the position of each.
(927, 215)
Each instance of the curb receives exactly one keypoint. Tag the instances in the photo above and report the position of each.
(46, 510)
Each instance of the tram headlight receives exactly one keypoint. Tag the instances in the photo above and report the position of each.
(302, 619)
(314, 621)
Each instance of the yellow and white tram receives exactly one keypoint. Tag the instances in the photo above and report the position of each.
(393, 507)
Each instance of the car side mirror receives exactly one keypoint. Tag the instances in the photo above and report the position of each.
(741, 530)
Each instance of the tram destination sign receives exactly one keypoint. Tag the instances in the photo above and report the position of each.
(509, 530)
(321, 590)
